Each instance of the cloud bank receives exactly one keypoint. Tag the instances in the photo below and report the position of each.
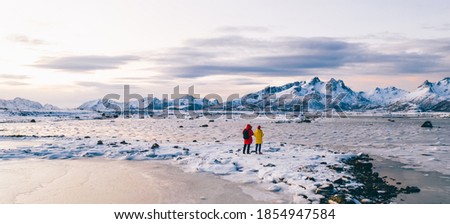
(13, 80)
(296, 56)
(23, 39)
(85, 63)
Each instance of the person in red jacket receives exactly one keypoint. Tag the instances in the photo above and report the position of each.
(248, 139)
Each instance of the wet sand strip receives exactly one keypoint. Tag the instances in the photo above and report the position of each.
(107, 181)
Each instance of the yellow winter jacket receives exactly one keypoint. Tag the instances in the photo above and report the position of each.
(259, 134)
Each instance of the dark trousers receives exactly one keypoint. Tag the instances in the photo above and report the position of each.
(258, 148)
(246, 146)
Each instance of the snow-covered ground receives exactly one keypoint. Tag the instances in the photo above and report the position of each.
(296, 157)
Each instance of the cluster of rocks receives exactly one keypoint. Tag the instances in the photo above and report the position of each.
(112, 144)
(32, 136)
(370, 187)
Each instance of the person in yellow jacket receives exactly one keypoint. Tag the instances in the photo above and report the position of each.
(259, 134)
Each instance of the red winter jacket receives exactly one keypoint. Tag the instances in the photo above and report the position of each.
(250, 134)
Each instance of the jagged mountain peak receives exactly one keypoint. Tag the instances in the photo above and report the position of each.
(388, 89)
(385, 96)
(315, 80)
(426, 84)
(339, 83)
(444, 81)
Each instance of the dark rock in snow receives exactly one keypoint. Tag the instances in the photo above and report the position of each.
(99, 142)
(155, 146)
(325, 190)
(427, 124)
(337, 168)
(204, 126)
(33, 121)
(340, 181)
(410, 190)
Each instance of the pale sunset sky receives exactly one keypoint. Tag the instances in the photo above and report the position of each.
(68, 52)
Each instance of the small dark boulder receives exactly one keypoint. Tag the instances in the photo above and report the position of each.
(204, 126)
(410, 190)
(337, 168)
(33, 121)
(427, 124)
(155, 146)
(99, 142)
(340, 181)
(327, 189)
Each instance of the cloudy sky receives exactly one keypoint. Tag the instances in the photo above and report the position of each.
(67, 52)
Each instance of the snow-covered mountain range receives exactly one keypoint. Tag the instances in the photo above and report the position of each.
(427, 97)
(311, 95)
(183, 103)
(18, 104)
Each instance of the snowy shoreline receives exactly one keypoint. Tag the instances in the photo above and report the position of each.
(297, 164)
